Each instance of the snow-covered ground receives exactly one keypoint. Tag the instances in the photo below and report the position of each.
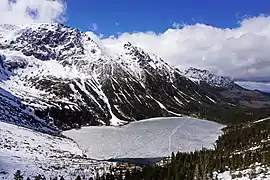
(156, 137)
(36, 153)
(256, 172)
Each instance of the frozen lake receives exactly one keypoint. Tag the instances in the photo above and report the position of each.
(150, 138)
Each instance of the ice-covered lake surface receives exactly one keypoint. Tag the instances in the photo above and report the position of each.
(157, 137)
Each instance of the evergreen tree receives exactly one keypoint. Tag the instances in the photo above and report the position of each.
(18, 175)
(97, 175)
(196, 172)
(39, 177)
(127, 175)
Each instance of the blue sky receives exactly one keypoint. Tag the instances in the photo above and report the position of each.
(116, 16)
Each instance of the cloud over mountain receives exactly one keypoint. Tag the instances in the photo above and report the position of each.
(241, 52)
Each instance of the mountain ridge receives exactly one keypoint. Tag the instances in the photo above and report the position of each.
(69, 81)
(210, 78)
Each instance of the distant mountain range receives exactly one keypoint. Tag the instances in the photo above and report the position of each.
(212, 79)
(53, 77)
(255, 85)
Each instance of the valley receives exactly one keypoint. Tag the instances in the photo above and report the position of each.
(70, 106)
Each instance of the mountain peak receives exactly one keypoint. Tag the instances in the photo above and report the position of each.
(48, 41)
(212, 79)
(128, 44)
(132, 49)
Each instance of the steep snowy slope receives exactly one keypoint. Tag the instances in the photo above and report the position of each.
(36, 153)
(13, 111)
(141, 85)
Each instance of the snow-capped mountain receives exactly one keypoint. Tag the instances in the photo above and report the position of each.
(48, 67)
(56, 77)
(212, 79)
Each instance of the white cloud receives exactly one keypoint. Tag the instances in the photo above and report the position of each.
(31, 11)
(242, 52)
(117, 24)
(96, 38)
(94, 27)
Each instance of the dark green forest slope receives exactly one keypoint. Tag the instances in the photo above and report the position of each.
(241, 146)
